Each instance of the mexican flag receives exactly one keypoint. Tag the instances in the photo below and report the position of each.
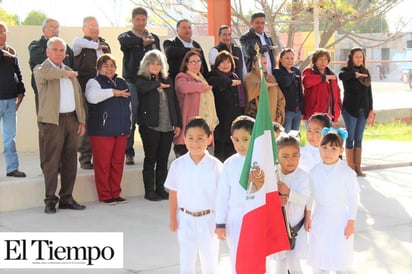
(263, 230)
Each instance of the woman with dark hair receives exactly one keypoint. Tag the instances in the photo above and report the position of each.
(229, 100)
(108, 126)
(290, 82)
(321, 90)
(357, 105)
(159, 120)
(195, 96)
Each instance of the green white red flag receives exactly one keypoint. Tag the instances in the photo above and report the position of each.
(263, 230)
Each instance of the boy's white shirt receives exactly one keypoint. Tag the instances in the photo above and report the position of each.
(230, 193)
(195, 184)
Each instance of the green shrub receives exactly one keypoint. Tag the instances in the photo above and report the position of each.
(393, 131)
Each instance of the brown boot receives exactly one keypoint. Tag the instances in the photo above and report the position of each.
(349, 158)
(357, 159)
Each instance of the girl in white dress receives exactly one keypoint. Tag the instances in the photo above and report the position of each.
(294, 190)
(334, 198)
(309, 154)
(230, 194)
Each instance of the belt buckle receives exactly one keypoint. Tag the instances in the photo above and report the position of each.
(201, 213)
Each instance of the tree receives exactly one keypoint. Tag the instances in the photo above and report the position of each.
(348, 17)
(34, 18)
(374, 25)
(9, 18)
(114, 16)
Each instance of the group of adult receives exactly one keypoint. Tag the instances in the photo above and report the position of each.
(79, 89)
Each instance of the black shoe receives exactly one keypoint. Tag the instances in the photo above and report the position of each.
(86, 165)
(50, 208)
(152, 196)
(163, 194)
(71, 205)
(110, 202)
(16, 173)
(121, 200)
(129, 160)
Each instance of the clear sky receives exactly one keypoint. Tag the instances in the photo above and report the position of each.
(72, 12)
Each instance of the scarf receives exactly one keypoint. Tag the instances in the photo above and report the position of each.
(240, 88)
(207, 108)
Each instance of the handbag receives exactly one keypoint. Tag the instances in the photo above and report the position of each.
(252, 106)
(294, 232)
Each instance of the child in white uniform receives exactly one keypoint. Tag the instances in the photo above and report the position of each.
(334, 198)
(230, 194)
(192, 183)
(309, 154)
(294, 190)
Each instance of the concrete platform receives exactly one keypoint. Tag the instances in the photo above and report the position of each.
(383, 238)
(23, 193)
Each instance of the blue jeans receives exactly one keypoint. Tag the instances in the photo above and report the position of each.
(355, 127)
(135, 103)
(8, 116)
(292, 120)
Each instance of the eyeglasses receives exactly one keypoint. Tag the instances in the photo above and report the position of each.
(196, 62)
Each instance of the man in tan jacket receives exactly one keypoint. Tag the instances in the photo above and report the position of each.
(61, 118)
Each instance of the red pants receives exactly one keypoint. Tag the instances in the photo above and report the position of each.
(108, 162)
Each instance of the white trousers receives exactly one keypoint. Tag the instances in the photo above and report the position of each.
(233, 226)
(289, 262)
(316, 271)
(197, 235)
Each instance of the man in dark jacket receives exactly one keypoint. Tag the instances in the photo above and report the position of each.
(257, 34)
(37, 51)
(86, 51)
(177, 48)
(225, 43)
(134, 44)
(11, 95)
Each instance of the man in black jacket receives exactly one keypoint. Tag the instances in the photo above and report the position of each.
(134, 44)
(11, 95)
(177, 48)
(257, 34)
(37, 51)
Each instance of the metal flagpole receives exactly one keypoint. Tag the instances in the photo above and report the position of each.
(285, 216)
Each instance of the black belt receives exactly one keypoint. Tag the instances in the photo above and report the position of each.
(196, 214)
(67, 114)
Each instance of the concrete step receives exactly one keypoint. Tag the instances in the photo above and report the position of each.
(23, 193)
(16, 194)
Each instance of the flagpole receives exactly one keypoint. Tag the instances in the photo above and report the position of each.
(285, 216)
(263, 231)
(257, 48)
